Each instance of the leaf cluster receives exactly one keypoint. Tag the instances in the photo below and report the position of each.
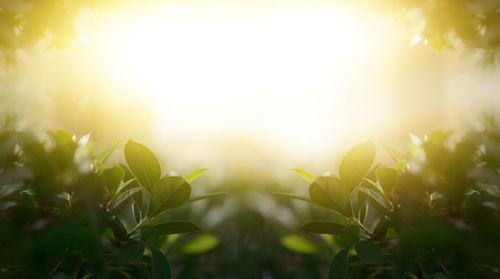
(65, 213)
(434, 213)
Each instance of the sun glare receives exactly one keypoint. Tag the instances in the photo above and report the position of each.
(278, 73)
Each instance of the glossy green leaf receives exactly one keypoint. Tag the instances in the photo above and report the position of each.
(143, 164)
(304, 174)
(298, 243)
(160, 267)
(322, 227)
(200, 244)
(177, 227)
(356, 164)
(194, 175)
(331, 193)
(169, 192)
(123, 197)
(112, 178)
(339, 266)
(387, 178)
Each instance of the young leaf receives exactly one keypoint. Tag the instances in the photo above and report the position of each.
(107, 152)
(340, 265)
(331, 193)
(194, 175)
(142, 163)
(123, 197)
(200, 244)
(159, 265)
(112, 178)
(298, 243)
(322, 227)
(169, 192)
(356, 164)
(375, 196)
(304, 174)
(177, 227)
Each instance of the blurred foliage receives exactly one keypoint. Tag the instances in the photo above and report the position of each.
(434, 214)
(64, 213)
(24, 22)
(476, 23)
(439, 23)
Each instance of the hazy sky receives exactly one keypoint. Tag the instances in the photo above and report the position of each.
(287, 81)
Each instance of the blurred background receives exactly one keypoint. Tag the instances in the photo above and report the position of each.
(249, 90)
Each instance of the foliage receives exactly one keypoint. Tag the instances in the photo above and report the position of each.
(434, 214)
(66, 214)
(476, 23)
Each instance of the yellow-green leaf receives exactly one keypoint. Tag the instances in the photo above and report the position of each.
(356, 164)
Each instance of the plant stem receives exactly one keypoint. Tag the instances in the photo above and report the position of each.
(361, 226)
(139, 225)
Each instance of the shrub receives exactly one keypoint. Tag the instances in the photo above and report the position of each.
(433, 214)
(64, 213)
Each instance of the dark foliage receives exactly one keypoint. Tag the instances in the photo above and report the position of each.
(65, 214)
(434, 214)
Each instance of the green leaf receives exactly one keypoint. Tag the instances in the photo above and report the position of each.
(356, 164)
(298, 243)
(177, 227)
(169, 192)
(200, 244)
(375, 196)
(331, 193)
(194, 175)
(387, 178)
(322, 227)
(304, 174)
(128, 252)
(159, 265)
(124, 185)
(112, 178)
(123, 197)
(339, 265)
(370, 253)
(143, 164)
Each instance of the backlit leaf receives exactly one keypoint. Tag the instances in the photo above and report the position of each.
(123, 197)
(169, 192)
(143, 164)
(356, 164)
(194, 175)
(304, 174)
(331, 193)
(299, 244)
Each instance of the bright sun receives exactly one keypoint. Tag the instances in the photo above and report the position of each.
(277, 72)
